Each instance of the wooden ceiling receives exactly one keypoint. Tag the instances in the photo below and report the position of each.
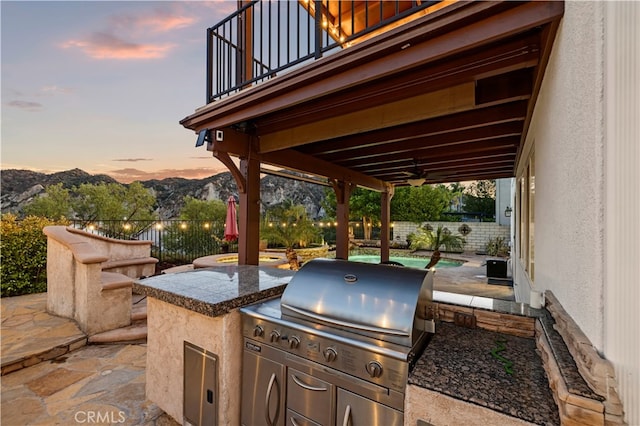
(447, 97)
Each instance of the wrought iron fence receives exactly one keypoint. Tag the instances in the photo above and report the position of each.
(266, 37)
(181, 241)
(173, 241)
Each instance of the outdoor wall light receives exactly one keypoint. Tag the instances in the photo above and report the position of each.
(507, 211)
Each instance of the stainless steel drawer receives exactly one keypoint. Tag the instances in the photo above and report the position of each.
(295, 419)
(309, 396)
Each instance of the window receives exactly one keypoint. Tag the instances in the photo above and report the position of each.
(526, 200)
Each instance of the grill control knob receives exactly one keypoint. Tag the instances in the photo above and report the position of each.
(274, 336)
(258, 331)
(374, 369)
(329, 354)
(294, 342)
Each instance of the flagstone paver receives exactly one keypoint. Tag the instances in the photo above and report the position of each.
(31, 335)
(106, 382)
(50, 376)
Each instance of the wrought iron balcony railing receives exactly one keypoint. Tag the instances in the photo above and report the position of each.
(264, 38)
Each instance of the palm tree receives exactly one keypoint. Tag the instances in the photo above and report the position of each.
(425, 238)
(288, 225)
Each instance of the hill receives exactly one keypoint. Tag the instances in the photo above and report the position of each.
(19, 187)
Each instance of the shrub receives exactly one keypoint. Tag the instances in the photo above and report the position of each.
(497, 246)
(23, 254)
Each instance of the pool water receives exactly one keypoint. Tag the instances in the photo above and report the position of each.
(411, 262)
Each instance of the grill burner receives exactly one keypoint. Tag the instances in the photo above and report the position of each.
(356, 327)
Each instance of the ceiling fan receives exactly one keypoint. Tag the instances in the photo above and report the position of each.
(418, 178)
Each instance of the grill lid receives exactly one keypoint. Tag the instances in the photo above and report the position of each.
(384, 302)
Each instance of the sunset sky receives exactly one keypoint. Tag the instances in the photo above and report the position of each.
(102, 85)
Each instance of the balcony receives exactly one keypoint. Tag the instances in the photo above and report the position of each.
(436, 92)
(267, 38)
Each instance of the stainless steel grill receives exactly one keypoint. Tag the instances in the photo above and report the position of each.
(337, 346)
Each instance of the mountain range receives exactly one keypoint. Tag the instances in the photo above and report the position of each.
(19, 187)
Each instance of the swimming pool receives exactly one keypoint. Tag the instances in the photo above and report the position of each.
(411, 262)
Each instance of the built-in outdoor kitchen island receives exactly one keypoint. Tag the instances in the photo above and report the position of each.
(467, 373)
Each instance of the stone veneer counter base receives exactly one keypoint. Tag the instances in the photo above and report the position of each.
(458, 362)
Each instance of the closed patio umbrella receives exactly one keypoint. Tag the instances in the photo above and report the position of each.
(230, 223)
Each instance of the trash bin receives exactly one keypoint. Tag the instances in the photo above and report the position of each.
(496, 268)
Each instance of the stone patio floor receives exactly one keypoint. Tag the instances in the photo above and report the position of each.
(66, 382)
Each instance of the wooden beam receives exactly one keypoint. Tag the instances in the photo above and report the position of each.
(240, 179)
(478, 117)
(441, 102)
(249, 217)
(385, 220)
(294, 160)
(233, 142)
(343, 191)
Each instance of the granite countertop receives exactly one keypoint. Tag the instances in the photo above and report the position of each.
(217, 290)
(459, 362)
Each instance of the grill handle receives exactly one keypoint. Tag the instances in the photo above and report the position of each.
(346, 421)
(267, 415)
(363, 327)
(299, 382)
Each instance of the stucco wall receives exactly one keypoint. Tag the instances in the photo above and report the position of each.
(568, 133)
(169, 327)
(584, 133)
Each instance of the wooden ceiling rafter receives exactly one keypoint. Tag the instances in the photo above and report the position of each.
(495, 133)
(435, 160)
(472, 119)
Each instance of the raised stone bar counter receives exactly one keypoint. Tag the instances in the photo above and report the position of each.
(200, 307)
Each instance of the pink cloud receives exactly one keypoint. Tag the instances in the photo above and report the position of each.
(158, 21)
(108, 46)
(120, 39)
(129, 175)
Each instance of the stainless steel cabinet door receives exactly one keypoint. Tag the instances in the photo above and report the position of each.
(263, 391)
(354, 410)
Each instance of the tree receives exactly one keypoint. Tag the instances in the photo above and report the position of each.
(408, 204)
(425, 238)
(287, 224)
(201, 231)
(115, 202)
(417, 204)
(456, 190)
(194, 209)
(480, 197)
(365, 205)
(54, 204)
